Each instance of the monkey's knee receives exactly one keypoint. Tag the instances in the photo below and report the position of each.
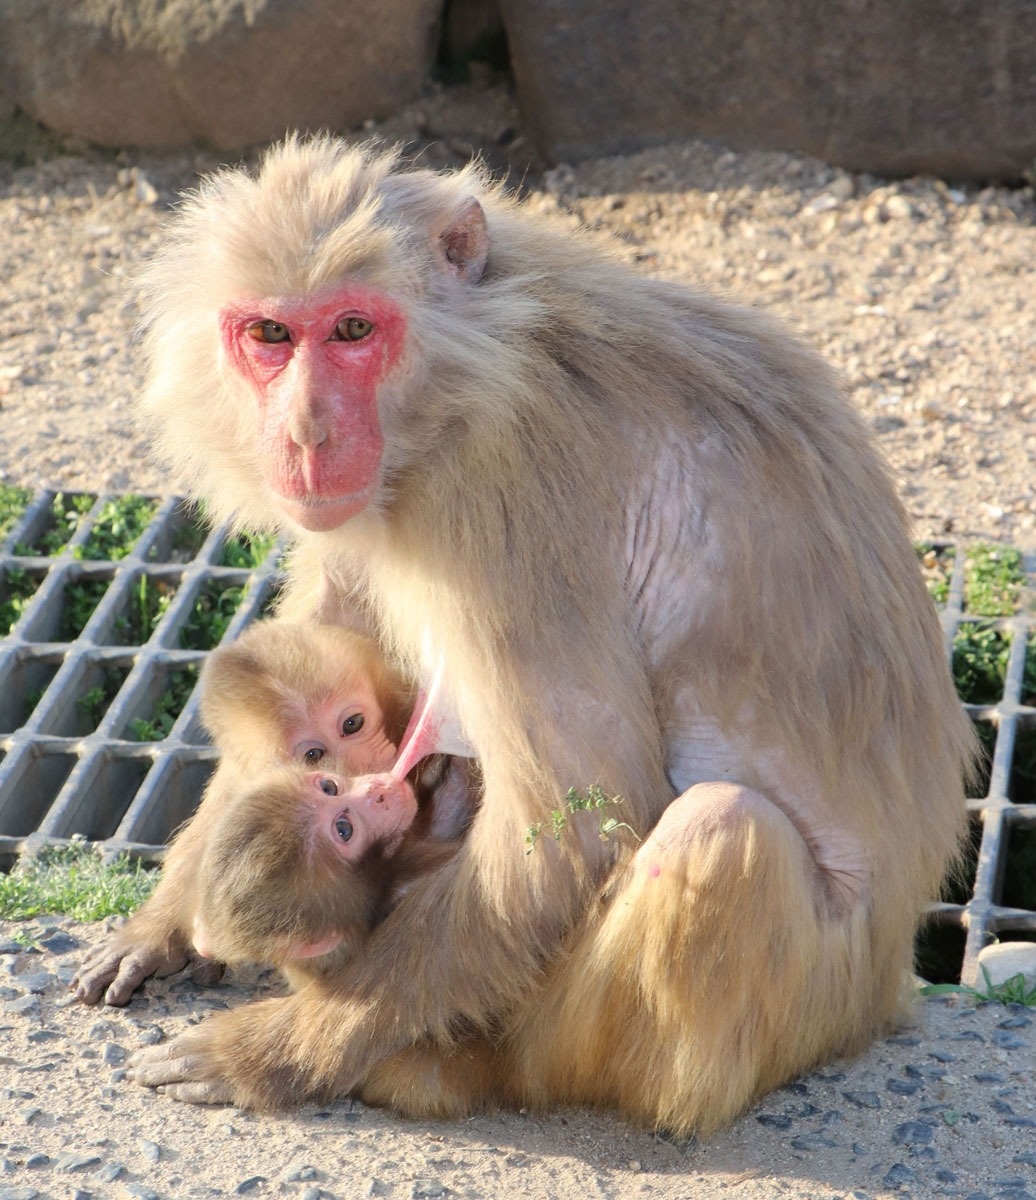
(702, 810)
(719, 829)
(427, 1082)
(749, 844)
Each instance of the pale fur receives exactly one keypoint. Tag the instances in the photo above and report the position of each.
(625, 512)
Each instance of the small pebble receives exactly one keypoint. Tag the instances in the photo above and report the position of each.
(24, 1006)
(1014, 1023)
(140, 1190)
(249, 1184)
(75, 1162)
(943, 1056)
(301, 1174)
(774, 1120)
(1008, 1041)
(912, 1133)
(903, 1087)
(150, 1150)
(114, 1055)
(39, 1036)
(898, 1175)
(37, 1160)
(813, 1141)
(863, 1099)
(109, 1172)
(150, 1035)
(428, 1189)
(60, 942)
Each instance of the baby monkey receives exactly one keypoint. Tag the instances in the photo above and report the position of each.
(281, 695)
(300, 867)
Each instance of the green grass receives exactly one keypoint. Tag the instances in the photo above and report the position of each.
(119, 524)
(247, 550)
(96, 700)
(149, 602)
(67, 512)
(13, 502)
(18, 588)
(1011, 991)
(993, 580)
(80, 600)
(213, 610)
(166, 709)
(980, 663)
(73, 880)
(936, 567)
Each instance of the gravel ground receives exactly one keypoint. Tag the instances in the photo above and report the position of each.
(920, 293)
(943, 1109)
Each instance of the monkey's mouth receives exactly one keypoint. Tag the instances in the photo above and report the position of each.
(321, 514)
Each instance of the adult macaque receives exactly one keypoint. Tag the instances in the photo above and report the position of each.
(281, 693)
(656, 552)
(297, 869)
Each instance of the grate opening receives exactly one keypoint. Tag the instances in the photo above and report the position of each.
(109, 605)
(1019, 882)
(957, 889)
(939, 951)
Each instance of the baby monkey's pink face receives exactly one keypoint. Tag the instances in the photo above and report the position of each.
(353, 814)
(349, 728)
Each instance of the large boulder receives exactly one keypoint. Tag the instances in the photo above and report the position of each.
(940, 86)
(226, 72)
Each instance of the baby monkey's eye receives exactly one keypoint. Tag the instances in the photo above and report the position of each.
(343, 828)
(328, 787)
(314, 754)
(352, 724)
(352, 329)
(269, 331)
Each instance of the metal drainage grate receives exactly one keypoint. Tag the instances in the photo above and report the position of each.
(75, 701)
(99, 735)
(996, 900)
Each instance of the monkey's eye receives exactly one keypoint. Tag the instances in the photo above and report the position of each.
(269, 331)
(328, 787)
(311, 754)
(352, 724)
(343, 827)
(352, 329)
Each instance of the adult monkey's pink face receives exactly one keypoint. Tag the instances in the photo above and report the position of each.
(315, 364)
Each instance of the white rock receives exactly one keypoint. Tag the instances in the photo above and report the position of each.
(1007, 959)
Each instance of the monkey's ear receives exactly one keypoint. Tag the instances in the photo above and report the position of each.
(465, 243)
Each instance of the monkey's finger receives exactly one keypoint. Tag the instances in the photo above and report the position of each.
(93, 977)
(155, 1066)
(198, 1093)
(138, 966)
(207, 971)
